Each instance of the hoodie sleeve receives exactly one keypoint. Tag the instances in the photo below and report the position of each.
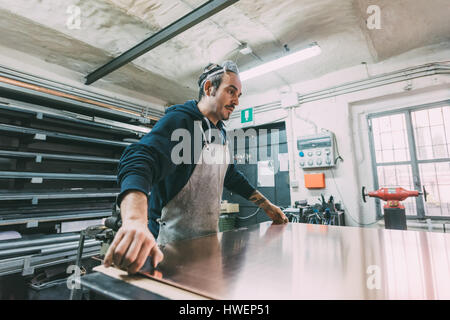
(148, 161)
(235, 181)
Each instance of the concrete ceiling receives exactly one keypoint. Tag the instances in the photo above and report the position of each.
(170, 71)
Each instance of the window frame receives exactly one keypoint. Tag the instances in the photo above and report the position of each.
(413, 162)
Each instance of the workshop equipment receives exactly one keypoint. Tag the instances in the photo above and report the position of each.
(317, 151)
(394, 211)
(325, 212)
(104, 233)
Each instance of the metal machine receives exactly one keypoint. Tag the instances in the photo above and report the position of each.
(394, 211)
(316, 151)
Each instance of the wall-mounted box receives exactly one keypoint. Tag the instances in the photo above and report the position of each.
(315, 180)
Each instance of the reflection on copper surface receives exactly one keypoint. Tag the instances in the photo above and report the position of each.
(299, 261)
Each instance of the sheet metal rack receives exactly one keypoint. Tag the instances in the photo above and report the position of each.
(92, 121)
(57, 195)
(48, 156)
(26, 255)
(58, 166)
(43, 135)
(30, 88)
(36, 219)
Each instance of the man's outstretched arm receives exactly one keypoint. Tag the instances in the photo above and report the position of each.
(236, 182)
(274, 212)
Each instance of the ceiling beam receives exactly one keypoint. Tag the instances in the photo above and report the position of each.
(191, 19)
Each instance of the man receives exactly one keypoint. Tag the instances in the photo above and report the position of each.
(185, 197)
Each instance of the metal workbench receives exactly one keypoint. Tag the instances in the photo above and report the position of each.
(304, 261)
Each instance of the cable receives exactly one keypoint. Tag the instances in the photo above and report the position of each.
(254, 213)
(342, 199)
(336, 146)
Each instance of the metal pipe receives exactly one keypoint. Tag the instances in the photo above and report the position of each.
(15, 265)
(62, 157)
(89, 215)
(76, 118)
(44, 249)
(62, 87)
(56, 176)
(354, 86)
(70, 97)
(328, 93)
(58, 195)
(191, 19)
(24, 243)
(65, 136)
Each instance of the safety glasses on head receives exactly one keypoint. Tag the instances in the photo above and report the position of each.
(215, 69)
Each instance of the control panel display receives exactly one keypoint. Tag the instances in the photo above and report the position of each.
(316, 151)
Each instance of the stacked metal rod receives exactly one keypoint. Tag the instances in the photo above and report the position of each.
(26, 255)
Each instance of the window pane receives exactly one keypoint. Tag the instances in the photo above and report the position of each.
(435, 115)
(425, 153)
(420, 119)
(388, 155)
(385, 124)
(398, 140)
(390, 139)
(440, 151)
(423, 136)
(446, 116)
(401, 155)
(436, 179)
(379, 156)
(386, 141)
(376, 126)
(432, 128)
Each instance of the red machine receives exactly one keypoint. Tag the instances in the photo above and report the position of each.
(394, 211)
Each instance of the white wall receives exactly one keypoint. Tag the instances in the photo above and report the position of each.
(345, 116)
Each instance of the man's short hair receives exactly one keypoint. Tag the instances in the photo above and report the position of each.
(214, 73)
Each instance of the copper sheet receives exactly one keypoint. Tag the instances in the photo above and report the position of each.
(301, 261)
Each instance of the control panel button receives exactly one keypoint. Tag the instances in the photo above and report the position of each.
(328, 161)
(310, 154)
(327, 151)
(318, 153)
(319, 161)
(301, 154)
(310, 162)
(302, 164)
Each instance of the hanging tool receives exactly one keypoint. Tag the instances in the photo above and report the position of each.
(394, 211)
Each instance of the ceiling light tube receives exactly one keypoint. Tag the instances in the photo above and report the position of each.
(312, 51)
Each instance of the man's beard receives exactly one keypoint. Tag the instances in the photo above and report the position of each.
(226, 114)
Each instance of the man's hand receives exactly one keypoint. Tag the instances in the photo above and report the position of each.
(275, 213)
(132, 245)
(271, 210)
(133, 242)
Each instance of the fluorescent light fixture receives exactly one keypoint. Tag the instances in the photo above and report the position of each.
(312, 51)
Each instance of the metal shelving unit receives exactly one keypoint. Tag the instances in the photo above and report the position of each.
(58, 165)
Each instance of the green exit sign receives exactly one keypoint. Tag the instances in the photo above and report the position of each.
(247, 115)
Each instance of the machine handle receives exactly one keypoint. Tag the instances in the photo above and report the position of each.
(425, 193)
(363, 191)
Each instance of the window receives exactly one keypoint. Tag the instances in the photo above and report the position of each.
(410, 149)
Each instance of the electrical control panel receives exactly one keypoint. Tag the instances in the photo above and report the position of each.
(316, 151)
